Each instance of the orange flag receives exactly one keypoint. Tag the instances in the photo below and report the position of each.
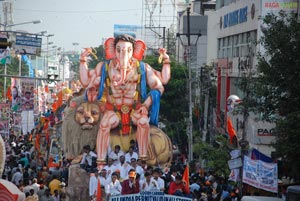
(47, 89)
(37, 141)
(99, 196)
(185, 178)
(54, 106)
(59, 101)
(8, 93)
(231, 131)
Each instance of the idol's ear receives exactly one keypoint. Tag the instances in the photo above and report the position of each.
(139, 49)
(109, 47)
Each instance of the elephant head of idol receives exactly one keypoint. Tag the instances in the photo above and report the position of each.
(123, 50)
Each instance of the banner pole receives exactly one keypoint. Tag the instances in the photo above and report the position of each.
(5, 72)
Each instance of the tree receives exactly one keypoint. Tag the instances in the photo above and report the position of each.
(278, 84)
(216, 155)
(12, 69)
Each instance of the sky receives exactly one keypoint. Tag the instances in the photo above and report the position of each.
(76, 21)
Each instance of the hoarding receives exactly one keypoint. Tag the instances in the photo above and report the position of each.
(28, 44)
(133, 30)
(260, 174)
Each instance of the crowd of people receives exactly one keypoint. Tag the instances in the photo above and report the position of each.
(31, 175)
(126, 174)
(123, 174)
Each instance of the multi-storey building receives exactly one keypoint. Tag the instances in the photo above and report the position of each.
(239, 25)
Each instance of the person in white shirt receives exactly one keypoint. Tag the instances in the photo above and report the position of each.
(88, 159)
(138, 169)
(110, 167)
(35, 185)
(149, 184)
(115, 155)
(174, 174)
(160, 181)
(93, 184)
(124, 168)
(114, 187)
(131, 154)
(104, 179)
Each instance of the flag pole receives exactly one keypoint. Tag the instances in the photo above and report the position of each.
(5, 72)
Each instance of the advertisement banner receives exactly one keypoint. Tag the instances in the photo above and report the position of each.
(234, 175)
(274, 6)
(42, 94)
(27, 121)
(149, 196)
(16, 94)
(4, 111)
(28, 44)
(27, 90)
(133, 30)
(4, 118)
(4, 128)
(260, 174)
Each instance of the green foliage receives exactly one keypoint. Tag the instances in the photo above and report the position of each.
(215, 155)
(278, 84)
(99, 52)
(279, 67)
(288, 143)
(12, 69)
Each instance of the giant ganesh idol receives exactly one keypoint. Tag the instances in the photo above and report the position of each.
(121, 83)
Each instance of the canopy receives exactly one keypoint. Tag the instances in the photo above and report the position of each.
(10, 192)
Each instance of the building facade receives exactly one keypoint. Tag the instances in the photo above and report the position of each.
(239, 25)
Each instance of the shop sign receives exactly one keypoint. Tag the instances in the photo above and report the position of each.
(235, 17)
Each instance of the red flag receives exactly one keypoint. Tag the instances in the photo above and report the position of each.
(99, 196)
(185, 178)
(8, 93)
(231, 131)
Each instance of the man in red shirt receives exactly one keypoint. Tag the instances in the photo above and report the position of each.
(178, 187)
(131, 185)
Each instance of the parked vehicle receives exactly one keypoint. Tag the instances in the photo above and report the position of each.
(293, 193)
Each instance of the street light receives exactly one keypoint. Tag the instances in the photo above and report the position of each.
(31, 22)
(188, 62)
(16, 24)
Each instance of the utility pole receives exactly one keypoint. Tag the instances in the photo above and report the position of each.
(298, 12)
(190, 121)
(189, 129)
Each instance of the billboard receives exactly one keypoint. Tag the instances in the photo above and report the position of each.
(260, 174)
(274, 6)
(27, 90)
(133, 30)
(28, 44)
